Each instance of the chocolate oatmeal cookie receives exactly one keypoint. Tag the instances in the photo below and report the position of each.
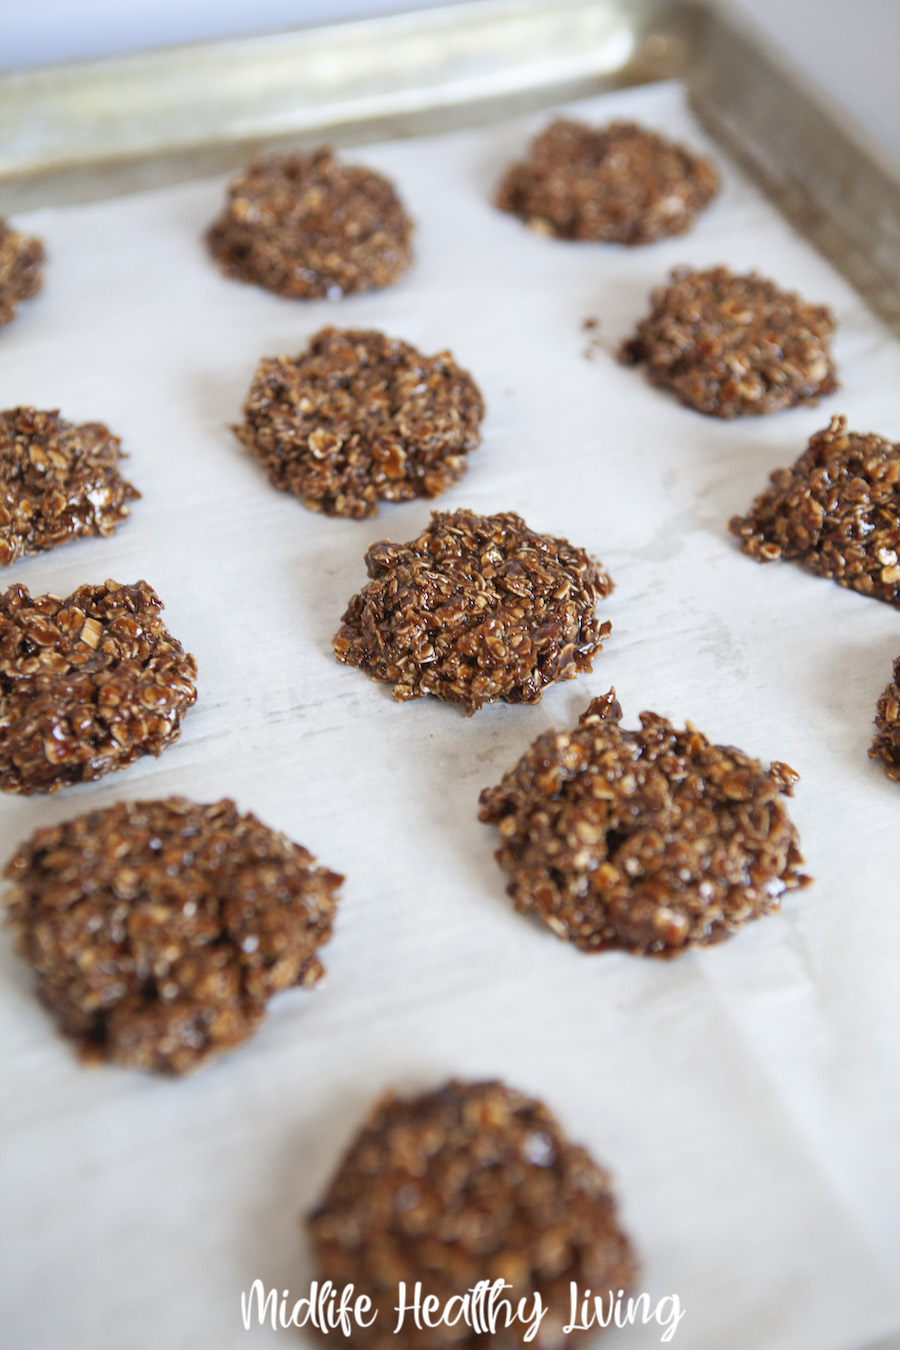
(158, 930)
(308, 226)
(57, 482)
(359, 417)
(886, 743)
(617, 184)
(651, 841)
(473, 1182)
(478, 608)
(87, 684)
(20, 270)
(732, 346)
(837, 511)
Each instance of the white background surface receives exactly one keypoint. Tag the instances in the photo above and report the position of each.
(745, 1097)
(850, 47)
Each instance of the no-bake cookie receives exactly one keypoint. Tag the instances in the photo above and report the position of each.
(158, 930)
(886, 743)
(472, 1182)
(87, 684)
(309, 226)
(57, 482)
(359, 418)
(20, 269)
(477, 608)
(652, 841)
(618, 184)
(732, 346)
(837, 511)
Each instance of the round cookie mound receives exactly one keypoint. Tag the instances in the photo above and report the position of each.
(87, 684)
(472, 1182)
(731, 346)
(158, 930)
(477, 608)
(651, 841)
(358, 418)
(617, 184)
(836, 511)
(57, 482)
(20, 270)
(307, 226)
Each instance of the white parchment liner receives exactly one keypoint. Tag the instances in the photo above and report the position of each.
(747, 1098)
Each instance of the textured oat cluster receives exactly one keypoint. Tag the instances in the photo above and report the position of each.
(837, 511)
(359, 418)
(732, 346)
(308, 226)
(886, 743)
(87, 684)
(618, 184)
(158, 930)
(20, 270)
(477, 608)
(57, 482)
(470, 1182)
(652, 840)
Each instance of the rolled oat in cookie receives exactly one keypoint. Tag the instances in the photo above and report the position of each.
(886, 743)
(57, 482)
(617, 184)
(158, 930)
(837, 511)
(309, 226)
(478, 608)
(359, 418)
(472, 1182)
(87, 684)
(652, 841)
(21, 259)
(732, 346)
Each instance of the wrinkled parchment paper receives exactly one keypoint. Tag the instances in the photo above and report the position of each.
(747, 1098)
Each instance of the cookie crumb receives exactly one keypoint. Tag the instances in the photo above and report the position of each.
(595, 342)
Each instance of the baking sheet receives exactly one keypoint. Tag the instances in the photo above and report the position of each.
(745, 1097)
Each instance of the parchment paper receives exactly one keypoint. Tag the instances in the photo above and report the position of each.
(745, 1097)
